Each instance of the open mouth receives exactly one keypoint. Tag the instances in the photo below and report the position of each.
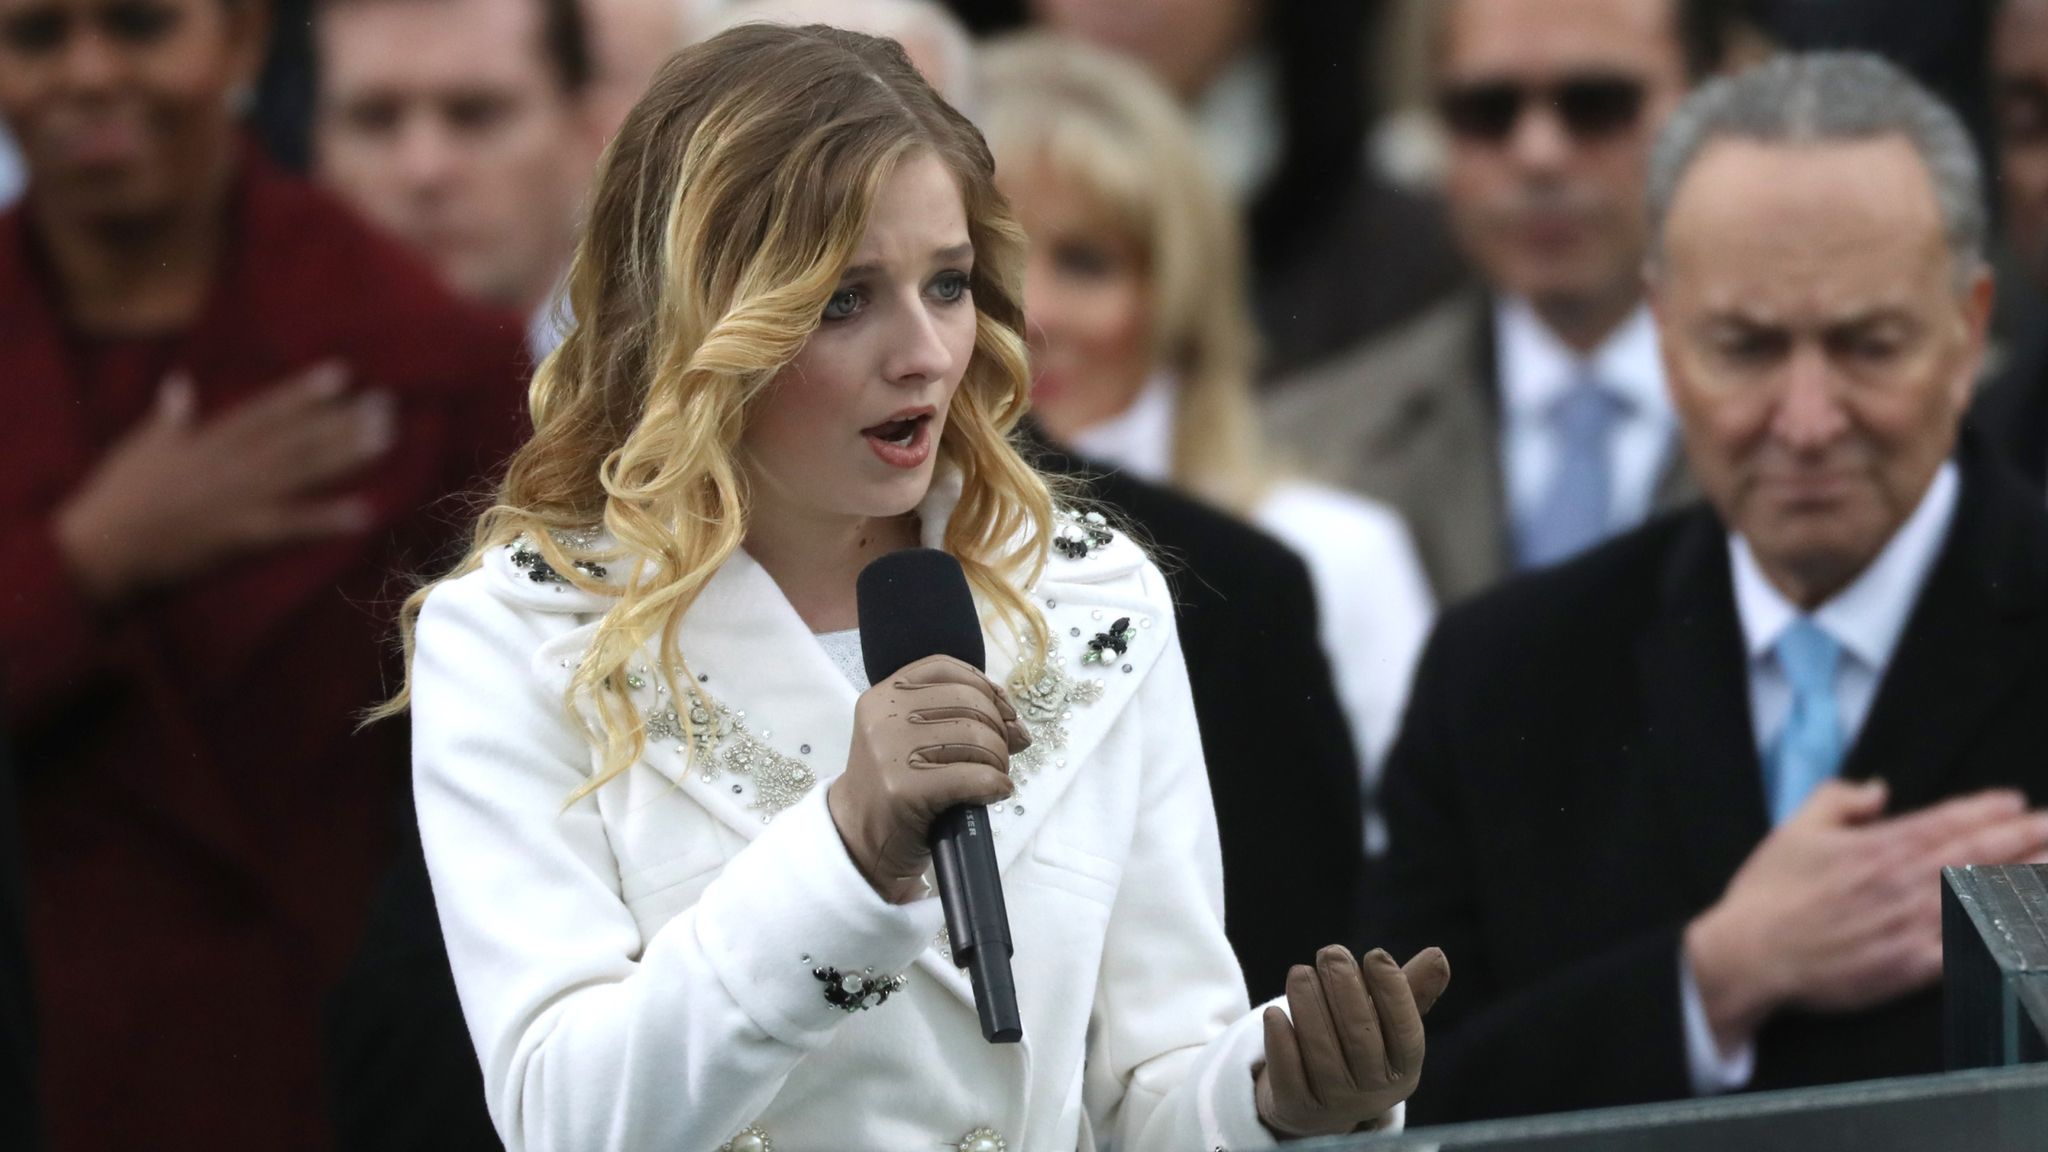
(905, 442)
(898, 432)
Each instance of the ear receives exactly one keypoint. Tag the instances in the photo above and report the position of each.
(1977, 301)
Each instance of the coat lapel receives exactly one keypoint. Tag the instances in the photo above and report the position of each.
(1445, 426)
(783, 702)
(1974, 630)
(1697, 739)
(1074, 703)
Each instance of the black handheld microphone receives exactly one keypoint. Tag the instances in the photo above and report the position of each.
(915, 604)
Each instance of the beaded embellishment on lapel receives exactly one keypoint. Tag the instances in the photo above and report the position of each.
(1045, 704)
(721, 744)
(1080, 533)
(528, 558)
(1117, 639)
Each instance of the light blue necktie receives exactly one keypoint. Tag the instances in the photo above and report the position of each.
(1574, 513)
(1809, 750)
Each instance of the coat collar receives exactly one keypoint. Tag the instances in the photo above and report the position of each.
(784, 712)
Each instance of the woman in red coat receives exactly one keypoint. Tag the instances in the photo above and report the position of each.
(231, 416)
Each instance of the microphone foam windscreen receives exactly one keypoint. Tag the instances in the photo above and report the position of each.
(913, 604)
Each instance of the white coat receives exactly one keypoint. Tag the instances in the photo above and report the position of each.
(636, 968)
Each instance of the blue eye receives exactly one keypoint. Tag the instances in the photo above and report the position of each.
(951, 287)
(843, 304)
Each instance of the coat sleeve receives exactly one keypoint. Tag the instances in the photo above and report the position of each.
(1494, 1039)
(592, 1038)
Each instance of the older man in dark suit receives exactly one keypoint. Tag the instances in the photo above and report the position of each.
(1677, 810)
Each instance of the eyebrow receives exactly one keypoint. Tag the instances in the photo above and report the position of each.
(942, 256)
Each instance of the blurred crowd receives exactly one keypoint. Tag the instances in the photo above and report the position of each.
(1600, 448)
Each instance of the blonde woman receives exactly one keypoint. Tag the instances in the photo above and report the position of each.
(675, 840)
(1142, 344)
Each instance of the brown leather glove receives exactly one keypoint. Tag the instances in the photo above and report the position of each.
(1354, 1047)
(936, 734)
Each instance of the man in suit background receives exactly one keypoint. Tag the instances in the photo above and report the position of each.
(1515, 427)
(1686, 837)
(468, 129)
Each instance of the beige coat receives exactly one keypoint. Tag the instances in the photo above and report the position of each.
(1413, 419)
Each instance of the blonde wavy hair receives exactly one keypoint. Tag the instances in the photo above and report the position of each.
(1100, 124)
(725, 210)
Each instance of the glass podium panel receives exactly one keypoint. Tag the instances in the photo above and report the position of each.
(1995, 1099)
(1984, 1110)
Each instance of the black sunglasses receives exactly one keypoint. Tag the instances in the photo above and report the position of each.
(1591, 107)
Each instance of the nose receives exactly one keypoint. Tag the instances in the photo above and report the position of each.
(918, 352)
(425, 154)
(90, 63)
(1809, 415)
(1539, 140)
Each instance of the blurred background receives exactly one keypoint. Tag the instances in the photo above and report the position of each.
(257, 250)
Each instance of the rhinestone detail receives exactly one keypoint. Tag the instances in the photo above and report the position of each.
(720, 742)
(1045, 704)
(528, 559)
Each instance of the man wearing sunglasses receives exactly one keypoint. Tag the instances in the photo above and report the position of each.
(1518, 426)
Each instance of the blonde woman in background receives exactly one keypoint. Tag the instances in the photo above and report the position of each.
(675, 839)
(1142, 344)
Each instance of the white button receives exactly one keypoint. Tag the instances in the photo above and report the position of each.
(982, 1140)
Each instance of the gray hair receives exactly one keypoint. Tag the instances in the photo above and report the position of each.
(1821, 98)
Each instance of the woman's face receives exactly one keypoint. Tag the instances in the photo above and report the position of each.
(850, 429)
(1087, 306)
(121, 106)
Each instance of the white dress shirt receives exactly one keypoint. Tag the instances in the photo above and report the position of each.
(1536, 369)
(1373, 604)
(1866, 619)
